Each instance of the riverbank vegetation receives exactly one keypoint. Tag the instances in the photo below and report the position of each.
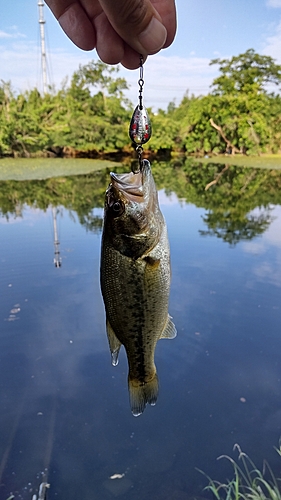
(248, 482)
(89, 117)
(228, 194)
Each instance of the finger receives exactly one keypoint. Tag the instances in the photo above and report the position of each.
(138, 23)
(74, 22)
(167, 11)
(131, 59)
(109, 46)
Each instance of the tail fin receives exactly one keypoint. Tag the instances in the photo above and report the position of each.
(143, 393)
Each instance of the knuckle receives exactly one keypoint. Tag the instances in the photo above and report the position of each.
(135, 14)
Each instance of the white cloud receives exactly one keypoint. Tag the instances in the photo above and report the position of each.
(20, 63)
(272, 45)
(15, 34)
(3, 34)
(166, 78)
(268, 270)
(274, 3)
(272, 235)
(254, 247)
(165, 199)
(169, 77)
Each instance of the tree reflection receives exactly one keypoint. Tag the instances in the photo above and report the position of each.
(232, 230)
(80, 194)
(229, 194)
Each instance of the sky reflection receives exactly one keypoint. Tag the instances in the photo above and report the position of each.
(64, 408)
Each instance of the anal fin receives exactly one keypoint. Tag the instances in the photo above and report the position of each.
(170, 331)
(114, 343)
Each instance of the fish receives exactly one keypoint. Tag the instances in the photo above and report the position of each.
(135, 276)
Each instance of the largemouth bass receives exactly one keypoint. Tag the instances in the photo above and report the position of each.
(135, 279)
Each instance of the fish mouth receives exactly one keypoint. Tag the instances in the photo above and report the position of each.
(131, 185)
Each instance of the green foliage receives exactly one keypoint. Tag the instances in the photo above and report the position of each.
(90, 116)
(247, 116)
(165, 132)
(248, 483)
(248, 72)
(227, 193)
(76, 193)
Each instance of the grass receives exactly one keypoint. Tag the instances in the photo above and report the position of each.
(263, 161)
(43, 168)
(248, 483)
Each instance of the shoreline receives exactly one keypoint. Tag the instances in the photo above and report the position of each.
(42, 168)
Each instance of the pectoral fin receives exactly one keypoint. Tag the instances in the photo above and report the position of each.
(152, 262)
(114, 343)
(170, 331)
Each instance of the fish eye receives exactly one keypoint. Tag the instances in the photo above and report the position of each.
(118, 208)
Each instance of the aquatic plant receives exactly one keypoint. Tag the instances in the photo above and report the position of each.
(248, 483)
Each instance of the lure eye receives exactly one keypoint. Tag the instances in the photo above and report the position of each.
(117, 208)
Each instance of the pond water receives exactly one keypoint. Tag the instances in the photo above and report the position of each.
(64, 410)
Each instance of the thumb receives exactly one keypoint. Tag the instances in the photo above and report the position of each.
(137, 23)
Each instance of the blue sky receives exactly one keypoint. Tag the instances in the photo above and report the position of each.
(206, 29)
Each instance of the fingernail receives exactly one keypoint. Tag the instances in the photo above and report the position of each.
(153, 38)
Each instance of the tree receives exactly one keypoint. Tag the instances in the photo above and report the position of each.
(98, 74)
(240, 109)
(245, 73)
(90, 115)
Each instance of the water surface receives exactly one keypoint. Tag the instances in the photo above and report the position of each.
(64, 410)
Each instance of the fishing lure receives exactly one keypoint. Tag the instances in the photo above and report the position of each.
(140, 125)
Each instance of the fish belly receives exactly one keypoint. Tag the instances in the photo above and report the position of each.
(136, 295)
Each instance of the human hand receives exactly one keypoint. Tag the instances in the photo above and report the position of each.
(120, 30)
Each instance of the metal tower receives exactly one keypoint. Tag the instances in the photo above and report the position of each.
(43, 45)
(57, 258)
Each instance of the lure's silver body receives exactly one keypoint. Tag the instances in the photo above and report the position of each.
(140, 126)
